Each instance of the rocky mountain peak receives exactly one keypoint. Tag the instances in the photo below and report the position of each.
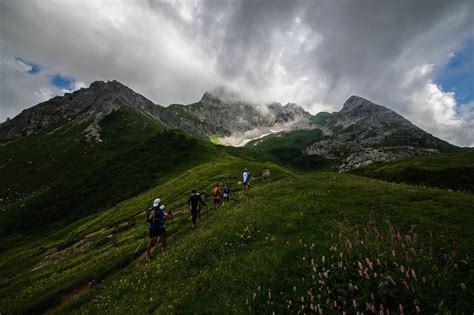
(363, 132)
(85, 105)
(357, 102)
(221, 95)
(108, 86)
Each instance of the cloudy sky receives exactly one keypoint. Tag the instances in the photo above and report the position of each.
(415, 57)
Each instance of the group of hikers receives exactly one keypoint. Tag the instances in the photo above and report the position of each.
(157, 215)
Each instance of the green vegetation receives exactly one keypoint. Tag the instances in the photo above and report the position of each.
(287, 148)
(69, 177)
(265, 240)
(300, 241)
(320, 118)
(453, 171)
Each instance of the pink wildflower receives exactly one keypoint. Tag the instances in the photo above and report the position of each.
(400, 308)
(406, 285)
(463, 286)
(402, 269)
(391, 280)
(323, 259)
(393, 253)
(418, 310)
(413, 274)
(254, 296)
(269, 295)
(398, 236)
(372, 308)
(354, 303)
(351, 287)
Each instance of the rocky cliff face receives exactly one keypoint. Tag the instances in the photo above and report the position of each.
(222, 114)
(225, 114)
(85, 105)
(217, 114)
(364, 132)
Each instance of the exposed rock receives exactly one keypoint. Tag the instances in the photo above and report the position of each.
(219, 113)
(364, 132)
(222, 113)
(370, 155)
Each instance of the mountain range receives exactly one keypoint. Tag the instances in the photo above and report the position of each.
(79, 171)
(359, 134)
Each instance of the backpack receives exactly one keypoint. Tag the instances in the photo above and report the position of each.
(152, 217)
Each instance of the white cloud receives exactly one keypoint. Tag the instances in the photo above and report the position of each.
(316, 54)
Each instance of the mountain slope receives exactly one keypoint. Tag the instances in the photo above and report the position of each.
(263, 242)
(224, 116)
(363, 132)
(59, 173)
(448, 171)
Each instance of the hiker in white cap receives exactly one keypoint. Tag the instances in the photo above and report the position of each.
(156, 216)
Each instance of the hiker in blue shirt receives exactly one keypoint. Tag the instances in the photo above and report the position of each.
(156, 216)
(246, 180)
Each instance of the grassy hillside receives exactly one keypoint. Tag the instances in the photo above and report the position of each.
(278, 249)
(288, 149)
(453, 171)
(320, 118)
(58, 175)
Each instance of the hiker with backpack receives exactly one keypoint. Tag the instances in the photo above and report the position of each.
(194, 203)
(156, 216)
(216, 196)
(246, 180)
(226, 194)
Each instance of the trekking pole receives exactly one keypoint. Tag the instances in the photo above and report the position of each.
(136, 250)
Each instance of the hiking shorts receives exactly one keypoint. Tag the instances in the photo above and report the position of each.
(157, 232)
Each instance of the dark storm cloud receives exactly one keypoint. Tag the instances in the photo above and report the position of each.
(315, 53)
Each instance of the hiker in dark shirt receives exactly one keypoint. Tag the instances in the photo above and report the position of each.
(225, 194)
(194, 203)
